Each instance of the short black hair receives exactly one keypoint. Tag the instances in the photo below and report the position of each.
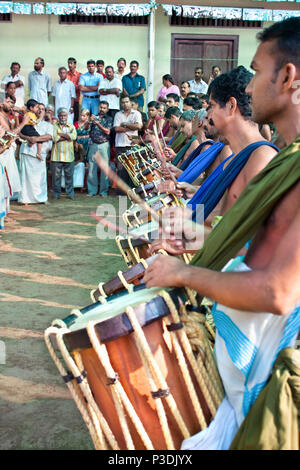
(100, 62)
(286, 35)
(109, 67)
(71, 59)
(30, 103)
(133, 98)
(175, 97)
(91, 61)
(185, 81)
(232, 84)
(173, 111)
(193, 101)
(153, 104)
(204, 97)
(121, 58)
(216, 66)
(134, 62)
(15, 63)
(7, 84)
(104, 102)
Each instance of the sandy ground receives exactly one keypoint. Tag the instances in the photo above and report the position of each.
(50, 260)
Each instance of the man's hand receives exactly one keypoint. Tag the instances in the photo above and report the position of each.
(187, 190)
(165, 271)
(178, 233)
(169, 153)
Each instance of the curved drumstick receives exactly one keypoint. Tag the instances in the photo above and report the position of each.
(162, 155)
(114, 178)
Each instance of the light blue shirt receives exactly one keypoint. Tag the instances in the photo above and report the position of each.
(39, 85)
(88, 79)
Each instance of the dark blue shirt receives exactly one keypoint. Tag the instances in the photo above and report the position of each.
(134, 84)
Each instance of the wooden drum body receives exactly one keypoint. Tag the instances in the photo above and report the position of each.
(138, 386)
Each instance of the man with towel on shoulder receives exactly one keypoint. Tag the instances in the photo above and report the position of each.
(257, 300)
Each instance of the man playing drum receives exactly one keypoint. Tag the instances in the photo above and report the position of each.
(257, 309)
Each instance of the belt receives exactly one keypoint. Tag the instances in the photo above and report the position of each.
(92, 97)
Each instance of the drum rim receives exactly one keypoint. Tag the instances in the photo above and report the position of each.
(119, 325)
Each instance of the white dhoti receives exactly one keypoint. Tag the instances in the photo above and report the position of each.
(9, 163)
(3, 196)
(246, 347)
(33, 180)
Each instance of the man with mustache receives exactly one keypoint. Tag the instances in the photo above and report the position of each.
(257, 299)
(39, 83)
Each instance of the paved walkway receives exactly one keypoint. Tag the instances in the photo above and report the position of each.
(50, 260)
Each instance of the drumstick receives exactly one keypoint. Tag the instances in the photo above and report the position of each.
(114, 178)
(163, 158)
(108, 224)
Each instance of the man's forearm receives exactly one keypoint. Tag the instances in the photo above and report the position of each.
(88, 88)
(35, 139)
(138, 93)
(241, 291)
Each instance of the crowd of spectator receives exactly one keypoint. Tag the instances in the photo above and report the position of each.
(64, 124)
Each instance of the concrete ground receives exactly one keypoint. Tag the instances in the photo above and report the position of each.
(50, 261)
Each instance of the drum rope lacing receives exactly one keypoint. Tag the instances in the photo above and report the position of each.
(206, 375)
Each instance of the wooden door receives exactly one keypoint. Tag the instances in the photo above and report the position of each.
(191, 50)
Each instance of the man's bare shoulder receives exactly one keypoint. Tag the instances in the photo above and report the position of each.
(258, 160)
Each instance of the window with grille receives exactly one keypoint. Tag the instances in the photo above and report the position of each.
(4, 17)
(104, 20)
(211, 22)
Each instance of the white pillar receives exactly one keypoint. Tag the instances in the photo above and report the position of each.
(151, 46)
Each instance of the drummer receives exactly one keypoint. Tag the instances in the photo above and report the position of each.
(233, 122)
(257, 309)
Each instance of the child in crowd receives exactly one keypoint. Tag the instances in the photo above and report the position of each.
(29, 129)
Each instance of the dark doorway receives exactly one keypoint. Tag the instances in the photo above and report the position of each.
(191, 50)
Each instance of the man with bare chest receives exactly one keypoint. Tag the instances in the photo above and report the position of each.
(257, 298)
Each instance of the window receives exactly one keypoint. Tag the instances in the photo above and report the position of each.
(5, 17)
(104, 20)
(210, 22)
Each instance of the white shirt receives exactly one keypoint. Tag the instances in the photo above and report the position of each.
(42, 128)
(134, 117)
(63, 93)
(200, 87)
(112, 99)
(20, 93)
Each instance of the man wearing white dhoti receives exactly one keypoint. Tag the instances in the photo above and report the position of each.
(33, 171)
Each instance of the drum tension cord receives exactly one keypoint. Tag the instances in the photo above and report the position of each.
(67, 378)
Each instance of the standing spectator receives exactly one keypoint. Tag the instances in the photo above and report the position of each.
(62, 156)
(88, 85)
(134, 85)
(39, 83)
(168, 87)
(172, 99)
(121, 65)
(185, 88)
(74, 76)
(33, 171)
(100, 67)
(49, 114)
(198, 85)
(83, 131)
(19, 81)
(99, 135)
(64, 94)
(153, 119)
(110, 90)
(127, 122)
(215, 71)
